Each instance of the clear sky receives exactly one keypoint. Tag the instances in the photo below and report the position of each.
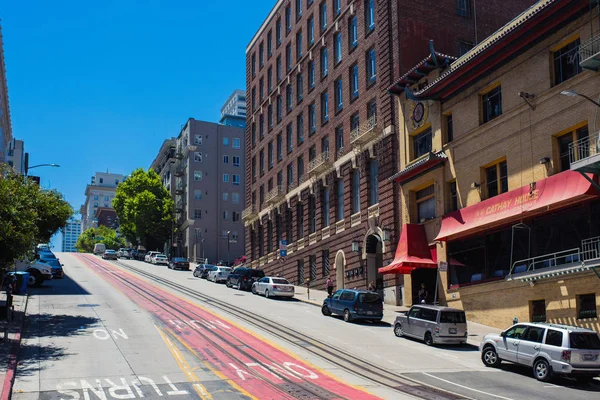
(98, 85)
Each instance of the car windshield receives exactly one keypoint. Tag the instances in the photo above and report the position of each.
(369, 298)
(457, 317)
(110, 251)
(180, 260)
(52, 262)
(256, 273)
(585, 340)
(280, 281)
(225, 269)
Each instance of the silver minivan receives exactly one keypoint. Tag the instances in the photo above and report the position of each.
(433, 324)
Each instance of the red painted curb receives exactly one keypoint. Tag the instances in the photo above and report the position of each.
(9, 378)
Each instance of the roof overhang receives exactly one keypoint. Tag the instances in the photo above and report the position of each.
(420, 167)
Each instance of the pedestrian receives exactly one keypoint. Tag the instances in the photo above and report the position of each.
(372, 286)
(329, 286)
(422, 294)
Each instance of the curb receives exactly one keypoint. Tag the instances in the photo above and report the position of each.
(9, 378)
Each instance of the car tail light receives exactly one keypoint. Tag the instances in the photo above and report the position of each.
(355, 306)
(245, 278)
(566, 355)
(275, 287)
(437, 330)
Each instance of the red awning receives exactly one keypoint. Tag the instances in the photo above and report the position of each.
(412, 252)
(558, 190)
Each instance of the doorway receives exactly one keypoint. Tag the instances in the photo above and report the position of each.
(426, 276)
(374, 254)
(340, 269)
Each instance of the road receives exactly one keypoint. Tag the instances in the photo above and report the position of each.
(128, 329)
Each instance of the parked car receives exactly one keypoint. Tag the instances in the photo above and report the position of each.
(273, 287)
(110, 255)
(99, 248)
(219, 274)
(46, 255)
(159, 259)
(179, 263)
(433, 324)
(124, 253)
(138, 254)
(207, 269)
(149, 255)
(38, 271)
(354, 305)
(57, 270)
(548, 349)
(242, 278)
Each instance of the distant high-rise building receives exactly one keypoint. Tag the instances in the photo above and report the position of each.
(70, 234)
(16, 155)
(99, 196)
(5, 125)
(233, 112)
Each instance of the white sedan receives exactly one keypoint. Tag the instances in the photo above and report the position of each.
(273, 287)
(160, 259)
(219, 274)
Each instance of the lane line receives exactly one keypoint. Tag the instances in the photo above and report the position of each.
(466, 387)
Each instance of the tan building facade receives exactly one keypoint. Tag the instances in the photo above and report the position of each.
(487, 148)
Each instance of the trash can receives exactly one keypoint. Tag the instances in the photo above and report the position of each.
(21, 278)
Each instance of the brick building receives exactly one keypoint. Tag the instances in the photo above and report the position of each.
(321, 135)
(498, 179)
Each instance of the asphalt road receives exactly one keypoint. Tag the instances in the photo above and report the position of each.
(185, 332)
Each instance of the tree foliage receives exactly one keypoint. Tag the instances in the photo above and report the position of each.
(28, 215)
(101, 234)
(145, 209)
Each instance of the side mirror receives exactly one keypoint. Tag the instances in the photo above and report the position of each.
(503, 334)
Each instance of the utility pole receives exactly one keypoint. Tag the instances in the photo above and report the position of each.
(228, 249)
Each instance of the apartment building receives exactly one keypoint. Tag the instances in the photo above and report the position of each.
(99, 195)
(498, 179)
(16, 156)
(321, 132)
(233, 112)
(70, 234)
(5, 124)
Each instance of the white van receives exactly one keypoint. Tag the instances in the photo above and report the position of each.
(99, 248)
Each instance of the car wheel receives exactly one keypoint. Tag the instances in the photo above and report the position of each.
(35, 278)
(542, 370)
(267, 293)
(398, 330)
(490, 357)
(254, 289)
(325, 310)
(347, 316)
(428, 339)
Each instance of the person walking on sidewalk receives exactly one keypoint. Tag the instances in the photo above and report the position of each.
(371, 287)
(329, 285)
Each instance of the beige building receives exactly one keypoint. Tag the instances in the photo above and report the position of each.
(491, 176)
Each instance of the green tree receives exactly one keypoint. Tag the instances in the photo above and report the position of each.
(28, 215)
(145, 209)
(101, 234)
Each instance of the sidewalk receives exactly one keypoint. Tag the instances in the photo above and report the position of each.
(9, 349)
(476, 331)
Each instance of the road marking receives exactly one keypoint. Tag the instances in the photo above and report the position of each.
(103, 334)
(185, 367)
(466, 387)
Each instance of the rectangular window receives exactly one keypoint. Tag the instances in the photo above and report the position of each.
(586, 306)
(279, 70)
(463, 8)
(313, 267)
(279, 147)
(288, 19)
(279, 109)
(371, 109)
(300, 220)
(356, 191)
(261, 89)
(235, 198)
(280, 180)
(324, 62)
(197, 156)
(300, 170)
(300, 272)
(337, 48)
(270, 116)
(323, 15)
(339, 139)
(337, 7)
(312, 153)
(299, 45)
(339, 95)
(197, 140)
(325, 207)
(325, 146)
(564, 141)
(290, 176)
(312, 214)
(197, 213)
(261, 55)
(425, 199)
(225, 196)
(254, 169)
(278, 31)
(340, 199)
(354, 81)
(311, 74)
(253, 130)
(236, 179)
(324, 108)
(449, 128)
(253, 65)
(235, 217)
(288, 57)
(225, 159)
(554, 338)
(236, 143)
(496, 179)
(453, 192)
(300, 128)
(270, 154)
(198, 175)
(299, 88)
(422, 143)
(371, 66)
(225, 214)
(373, 182)
(298, 9)
(225, 178)
(270, 79)
(354, 121)
(537, 311)
(269, 43)
(491, 104)
(311, 30)
(253, 98)
(289, 98)
(566, 62)
(197, 194)
(290, 140)
(370, 15)
(261, 162)
(353, 32)
(325, 262)
(261, 126)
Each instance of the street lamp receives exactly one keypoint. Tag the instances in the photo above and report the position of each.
(572, 93)
(228, 250)
(27, 168)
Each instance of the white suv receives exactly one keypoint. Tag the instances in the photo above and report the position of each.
(549, 349)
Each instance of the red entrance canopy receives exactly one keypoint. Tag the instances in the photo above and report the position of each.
(558, 190)
(412, 252)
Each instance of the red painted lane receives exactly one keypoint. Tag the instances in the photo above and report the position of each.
(253, 364)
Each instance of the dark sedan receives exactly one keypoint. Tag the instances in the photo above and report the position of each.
(179, 263)
(110, 255)
(57, 270)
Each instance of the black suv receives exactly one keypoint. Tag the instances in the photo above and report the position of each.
(242, 278)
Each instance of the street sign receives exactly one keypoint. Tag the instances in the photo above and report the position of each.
(282, 260)
(443, 266)
(282, 253)
(283, 244)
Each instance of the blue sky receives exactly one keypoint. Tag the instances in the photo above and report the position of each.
(98, 86)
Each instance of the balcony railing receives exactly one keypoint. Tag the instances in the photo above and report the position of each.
(250, 213)
(320, 164)
(180, 188)
(340, 153)
(373, 211)
(365, 132)
(589, 53)
(180, 171)
(584, 151)
(590, 248)
(275, 195)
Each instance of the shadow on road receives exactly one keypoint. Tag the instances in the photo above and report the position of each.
(32, 357)
(570, 383)
(63, 286)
